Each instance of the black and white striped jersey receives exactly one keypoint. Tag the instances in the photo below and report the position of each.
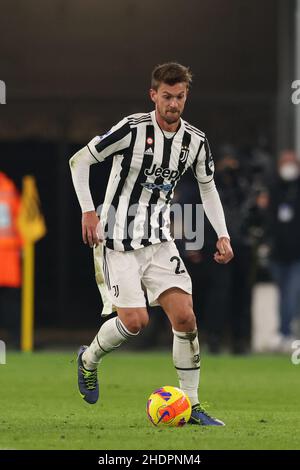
(146, 167)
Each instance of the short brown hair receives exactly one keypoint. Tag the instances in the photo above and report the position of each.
(170, 73)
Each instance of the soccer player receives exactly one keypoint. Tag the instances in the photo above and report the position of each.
(150, 153)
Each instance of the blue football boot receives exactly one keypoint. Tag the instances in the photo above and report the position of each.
(87, 380)
(201, 417)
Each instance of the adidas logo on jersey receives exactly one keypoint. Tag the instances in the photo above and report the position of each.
(149, 151)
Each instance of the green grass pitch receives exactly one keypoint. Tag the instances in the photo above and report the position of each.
(40, 407)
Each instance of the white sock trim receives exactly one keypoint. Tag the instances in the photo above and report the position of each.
(123, 330)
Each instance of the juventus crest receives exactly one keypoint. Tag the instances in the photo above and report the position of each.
(184, 154)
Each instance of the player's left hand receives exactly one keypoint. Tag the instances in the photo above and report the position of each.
(91, 229)
(224, 251)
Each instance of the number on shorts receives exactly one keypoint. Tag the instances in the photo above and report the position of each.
(178, 260)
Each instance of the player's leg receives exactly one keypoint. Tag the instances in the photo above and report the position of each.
(178, 306)
(124, 287)
(169, 285)
(113, 333)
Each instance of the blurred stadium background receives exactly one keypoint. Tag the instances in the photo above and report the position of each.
(73, 68)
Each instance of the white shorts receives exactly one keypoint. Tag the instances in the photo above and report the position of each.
(129, 275)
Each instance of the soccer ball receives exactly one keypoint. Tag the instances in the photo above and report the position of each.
(169, 406)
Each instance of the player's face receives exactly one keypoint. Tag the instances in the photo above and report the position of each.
(169, 101)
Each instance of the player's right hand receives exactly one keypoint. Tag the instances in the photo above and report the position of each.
(90, 233)
(224, 251)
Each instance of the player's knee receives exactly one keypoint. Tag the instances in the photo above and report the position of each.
(185, 319)
(136, 322)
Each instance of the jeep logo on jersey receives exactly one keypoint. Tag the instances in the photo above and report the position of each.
(163, 172)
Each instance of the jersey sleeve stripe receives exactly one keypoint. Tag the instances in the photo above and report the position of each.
(208, 157)
(194, 129)
(113, 138)
(206, 182)
(196, 158)
(135, 123)
(144, 116)
(92, 154)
